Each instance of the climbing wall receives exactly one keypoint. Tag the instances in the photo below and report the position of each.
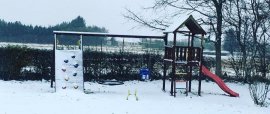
(68, 70)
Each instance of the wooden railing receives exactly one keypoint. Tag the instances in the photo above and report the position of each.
(168, 52)
(183, 53)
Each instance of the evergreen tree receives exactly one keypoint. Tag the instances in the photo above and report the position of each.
(230, 43)
(79, 22)
(18, 32)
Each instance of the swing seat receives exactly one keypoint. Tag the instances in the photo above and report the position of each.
(110, 82)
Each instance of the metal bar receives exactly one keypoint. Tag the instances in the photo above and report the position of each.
(106, 34)
(81, 44)
(54, 71)
(53, 67)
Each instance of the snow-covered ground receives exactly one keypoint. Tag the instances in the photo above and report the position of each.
(35, 97)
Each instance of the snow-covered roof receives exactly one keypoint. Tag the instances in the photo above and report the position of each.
(186, 21)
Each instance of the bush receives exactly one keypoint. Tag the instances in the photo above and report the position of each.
(120, 66)
(258, 89)
(21, 63)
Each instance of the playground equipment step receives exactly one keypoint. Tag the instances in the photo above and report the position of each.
(180, 88)
(180, 80)
(181, 62)
(181, 73)
(168, 60)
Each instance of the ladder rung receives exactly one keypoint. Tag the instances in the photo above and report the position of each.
(180, 81)
(181, 62)
(181, 73)
(180, 88)
(168, 60)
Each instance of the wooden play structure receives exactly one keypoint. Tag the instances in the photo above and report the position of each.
(183, 59)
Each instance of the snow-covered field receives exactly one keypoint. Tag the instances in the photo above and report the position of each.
(35, 97)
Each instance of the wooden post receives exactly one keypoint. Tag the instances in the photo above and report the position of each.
(164, 64)
(190, 67)
(173, 64)
(200, 72)
(188, 39)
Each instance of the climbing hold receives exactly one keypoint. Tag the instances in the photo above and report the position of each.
(76, 65)
(64, 87)
(74, 73)
(64, 69)
(75, 86)
(66, 78)
(66, 61)
(73, 56)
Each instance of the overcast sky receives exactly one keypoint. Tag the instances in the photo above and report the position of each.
(104, 13)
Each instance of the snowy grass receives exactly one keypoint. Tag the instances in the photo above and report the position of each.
(35, 97)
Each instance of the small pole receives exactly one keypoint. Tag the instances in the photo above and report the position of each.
(53, 66)
(81, 44)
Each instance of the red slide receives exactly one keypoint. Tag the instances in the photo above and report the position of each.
(219, 82)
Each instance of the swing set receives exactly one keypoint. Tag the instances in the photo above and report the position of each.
(83, 35)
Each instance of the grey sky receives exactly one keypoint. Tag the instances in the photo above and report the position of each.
(105, 13)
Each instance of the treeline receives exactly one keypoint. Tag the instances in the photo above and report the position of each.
(18, 32)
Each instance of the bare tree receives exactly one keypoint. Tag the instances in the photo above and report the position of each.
(235, 18)
(250, 20)
(210, 9)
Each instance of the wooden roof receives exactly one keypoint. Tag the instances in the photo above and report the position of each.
(190, 23)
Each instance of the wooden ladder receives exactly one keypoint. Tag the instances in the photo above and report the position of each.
(181, 76)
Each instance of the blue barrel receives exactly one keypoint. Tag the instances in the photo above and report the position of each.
(144, 73)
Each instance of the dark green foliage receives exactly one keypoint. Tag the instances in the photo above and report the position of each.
(230, 43)
(209, 46)
(120, 66)
(21, 63)
(114, 42)
(148, 43)
(18, 32)
(14, 62)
